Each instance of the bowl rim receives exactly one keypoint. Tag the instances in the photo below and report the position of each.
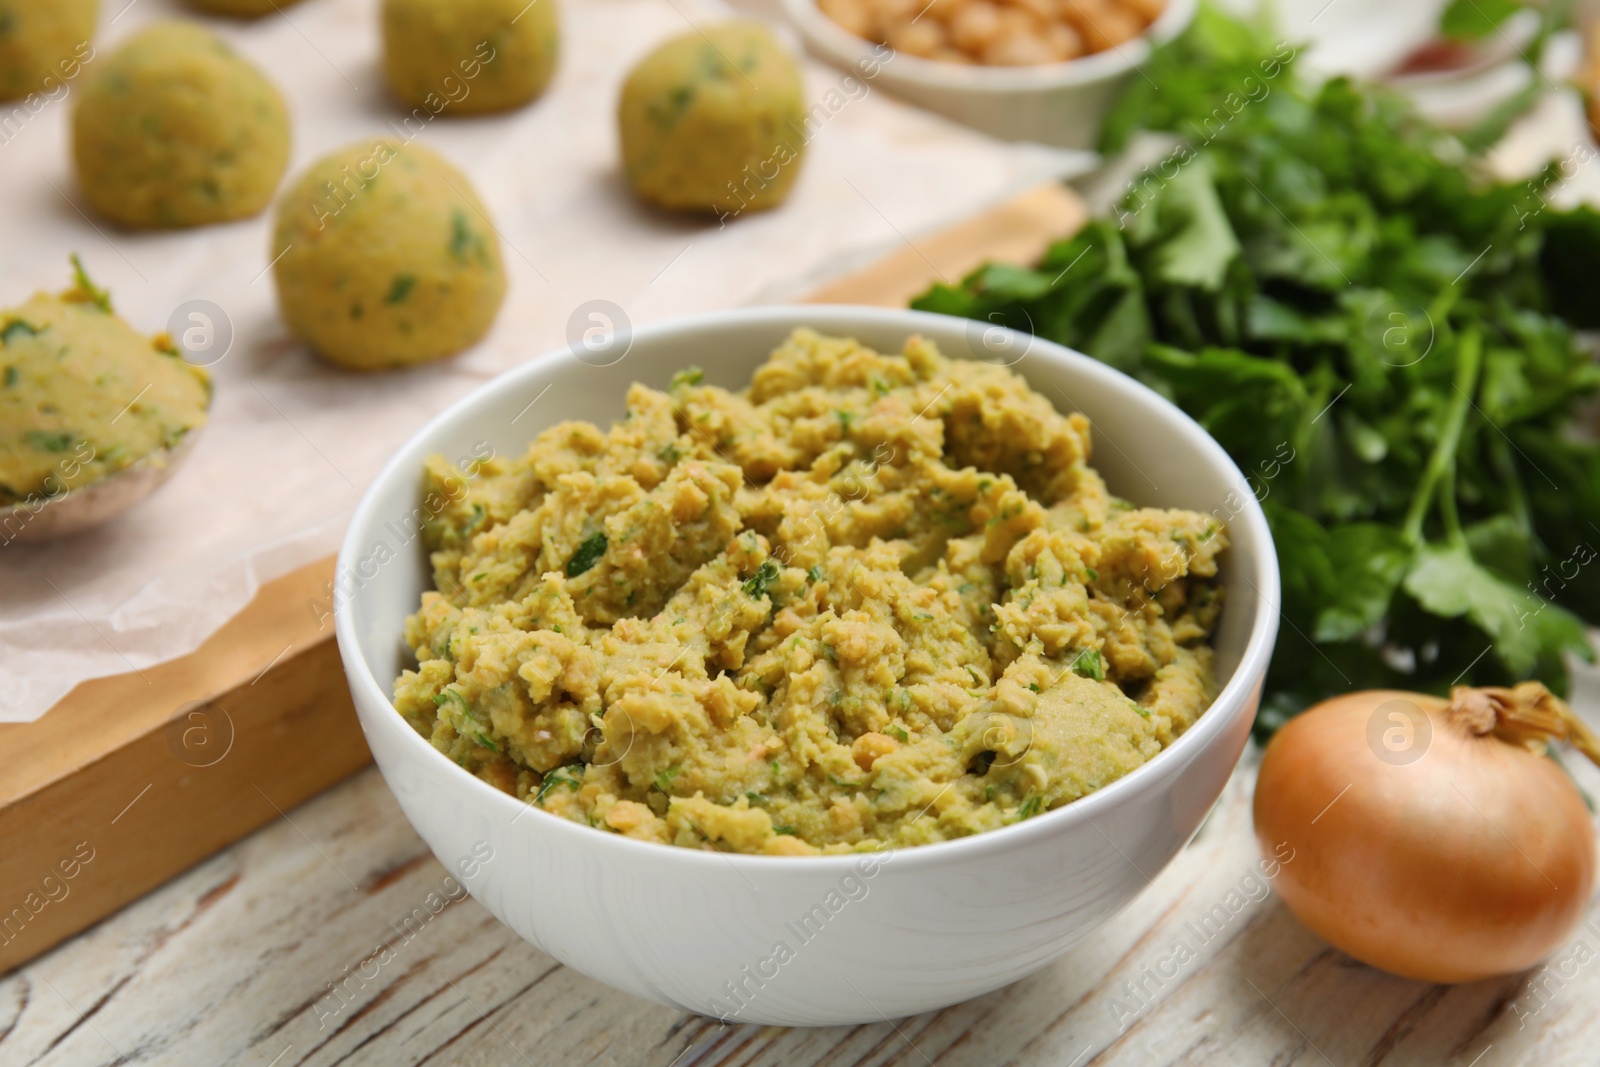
(843, 46)
(1207, 728)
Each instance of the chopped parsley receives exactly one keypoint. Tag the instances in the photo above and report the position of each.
(462, 238)
(97, 296)
(587, 555)
(756, 585)
(1090, 665)
(664, 779)
(14, 327)
(448, 696)
(46, 441)
(687, 376)
(400, 288)
(559, 777)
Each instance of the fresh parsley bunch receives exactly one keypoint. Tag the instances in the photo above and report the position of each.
(1382, 338)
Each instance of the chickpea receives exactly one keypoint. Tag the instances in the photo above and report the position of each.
(503, 776)
(1148, 10)
(996, 32)
(1102, 24)
(1017, 50)
(1064, 41)
(853, 15)
(939, 10)
(871, 747)
(1120, 27)
(890, 12)
(1046, 11)
(1015, 22)
(920, 38)
(974, 26)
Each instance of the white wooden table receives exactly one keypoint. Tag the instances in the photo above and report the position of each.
(236, 962)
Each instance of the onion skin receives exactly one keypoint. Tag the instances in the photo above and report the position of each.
(1475, 860)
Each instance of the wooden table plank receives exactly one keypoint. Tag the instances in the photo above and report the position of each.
(293, 948)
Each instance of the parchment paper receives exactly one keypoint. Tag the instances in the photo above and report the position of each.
(291, 442)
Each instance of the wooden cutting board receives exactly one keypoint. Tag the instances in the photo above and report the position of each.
(133, 778)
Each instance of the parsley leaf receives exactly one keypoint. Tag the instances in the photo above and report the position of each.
(1090, 665)
(1384, 339)
(14, 327)
(587, 555)
(756, 585)
(95, 295)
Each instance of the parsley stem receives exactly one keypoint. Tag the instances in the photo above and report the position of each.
(1442, 463)
(1506, 468)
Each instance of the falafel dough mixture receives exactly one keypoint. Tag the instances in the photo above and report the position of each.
(83, 395)
(871, 601)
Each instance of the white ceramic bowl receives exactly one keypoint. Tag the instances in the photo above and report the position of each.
(1059, 104)
(864, 937)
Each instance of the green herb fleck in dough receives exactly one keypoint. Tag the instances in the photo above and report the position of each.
(14, 327)
(587, 555)
(49, 442)
(97, 296)
(1090, 665)
(571, 777)
(463, 240)
(687, 376)
(756, 585)
(400, 288)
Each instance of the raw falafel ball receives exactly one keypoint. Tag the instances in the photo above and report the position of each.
(243, 9)
(42, 44)
(469, 56)
(385, 257)
(177, 129)
(714, 120)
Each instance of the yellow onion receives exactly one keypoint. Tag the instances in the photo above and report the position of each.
(1432, 838)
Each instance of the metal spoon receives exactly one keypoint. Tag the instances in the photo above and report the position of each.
(90, 505)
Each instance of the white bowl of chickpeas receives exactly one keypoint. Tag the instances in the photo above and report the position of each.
(1023, 70)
